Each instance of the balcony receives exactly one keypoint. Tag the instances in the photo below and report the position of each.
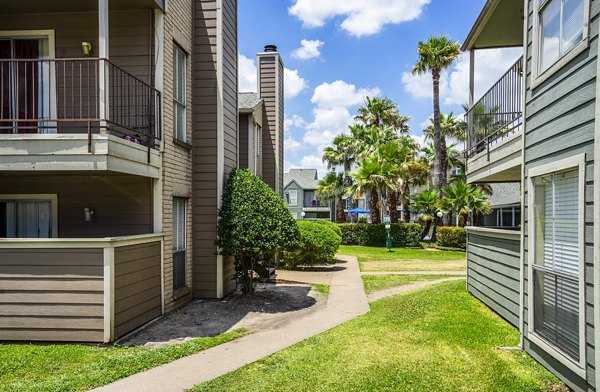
(494, 129)
(77, 114)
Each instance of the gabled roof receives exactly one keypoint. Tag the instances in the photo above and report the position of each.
(247, 102)
(305, 178)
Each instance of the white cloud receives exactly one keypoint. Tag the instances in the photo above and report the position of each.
(294, 122)
(420, 139)
(313, 162)
(293, 83)
(310, 49)
(454, 84)
(360, 17)
(246, 74)
(292, 145)
(341, 94)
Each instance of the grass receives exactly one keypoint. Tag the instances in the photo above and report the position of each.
(435, 339)
(70, 367)
(374, 283)
(405, 259)
(321, 288)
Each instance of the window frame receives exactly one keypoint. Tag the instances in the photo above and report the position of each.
(576, 162)
(290, 196)
(52, 197)
(538, 77)
(183, 250)
(178, 50)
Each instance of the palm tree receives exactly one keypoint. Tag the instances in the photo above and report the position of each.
(435, 55)
(413, 172)
(372, 178)
(383, 112)
(395, 153)
(331, 188)
(426, 205)
(465, 199)
(451, 127)
(341, 154)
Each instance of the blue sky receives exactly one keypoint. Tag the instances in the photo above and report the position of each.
(337, 51)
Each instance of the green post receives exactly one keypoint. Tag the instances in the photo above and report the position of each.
(388, 230)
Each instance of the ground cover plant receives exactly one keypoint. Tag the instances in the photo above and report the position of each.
(435, 339)
(405, 259)
(374, 283)
(75, 367)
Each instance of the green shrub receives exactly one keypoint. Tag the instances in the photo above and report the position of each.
(451, 236)
(403, 234)
(317, 244)
(254, 225)
(333, 226)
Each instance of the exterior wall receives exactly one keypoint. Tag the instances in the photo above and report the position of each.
(177, 156)
(245, 135)
(493, 270)
(52, 295)
(130, 35)
(270, 89)
(559, 116)
(137, 286)
(214, 130)
(122, 203)
(298, 209)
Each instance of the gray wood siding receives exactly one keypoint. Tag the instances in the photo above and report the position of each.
(122, 203)
(137, 286)
(205, 119)
(559, 124)
(267, 88)
(493, 274)
(51, 295)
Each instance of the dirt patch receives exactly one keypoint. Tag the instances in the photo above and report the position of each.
(272, 305)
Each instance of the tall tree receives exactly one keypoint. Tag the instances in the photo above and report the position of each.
(426, 206)
(451, 128)
(341, 154)
(395, 153)
(465, 199)
(435, 55)
(372, 178)
(331, 188)
(383, 112)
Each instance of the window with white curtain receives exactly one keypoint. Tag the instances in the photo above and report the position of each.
(560, 28)
(179, 93)
(179, 242)
(556, 268)
(25, 218)
(293, 199)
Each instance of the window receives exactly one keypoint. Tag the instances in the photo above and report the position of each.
(555, 255)
(293, 198)
(257, 150)
(561, 26)
(27, 218)
(179, 242)
(179, 93)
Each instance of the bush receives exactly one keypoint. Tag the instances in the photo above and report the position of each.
(333, 226)
(317, 244)
(403, 234)
(451, 236)
(254, 225)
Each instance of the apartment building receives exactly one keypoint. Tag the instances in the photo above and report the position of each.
(119, 125)
(538, 126)
(300, 194)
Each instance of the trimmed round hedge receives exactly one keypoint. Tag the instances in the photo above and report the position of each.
(451, 237)
(364, 234)
(317, 244)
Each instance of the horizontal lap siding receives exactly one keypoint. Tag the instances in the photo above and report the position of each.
(52, 295)
(493, 274)
(267, 91)
(559, 124)
(137, 286)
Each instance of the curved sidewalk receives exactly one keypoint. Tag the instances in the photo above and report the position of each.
(346, 301)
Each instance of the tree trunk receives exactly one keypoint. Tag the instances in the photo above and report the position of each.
(375, 215)
(340, 216)
(425, 230)
(393, 203)
(439, 177)
(405, 202)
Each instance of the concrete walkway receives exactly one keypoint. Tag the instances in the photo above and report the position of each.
(462, 273)
(346, 301)
(377, 295)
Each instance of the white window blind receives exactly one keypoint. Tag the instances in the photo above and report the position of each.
(294, 198)
(179, 93)
(28, 218)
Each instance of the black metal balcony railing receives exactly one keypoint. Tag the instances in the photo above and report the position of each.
(498, 114)
(68, 96)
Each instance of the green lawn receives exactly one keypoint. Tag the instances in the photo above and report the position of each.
(70, 367)
(321, 288)
(435, 339)
(381, 282)
(406, 259)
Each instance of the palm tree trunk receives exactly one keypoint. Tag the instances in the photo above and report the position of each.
(340, 216)
(439, 177)
(425, 230)
(405, 202)
(375, 216)
(393, 204)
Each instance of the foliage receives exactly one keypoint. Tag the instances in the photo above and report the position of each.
(331, 188)
(333, 226)
(382, 112)
(465, 199)
(74, 367)
(436, 339)
(451, 236)
(317, 244)
(254, 225)
(426, 206)
(403, 234)
(373, 178)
